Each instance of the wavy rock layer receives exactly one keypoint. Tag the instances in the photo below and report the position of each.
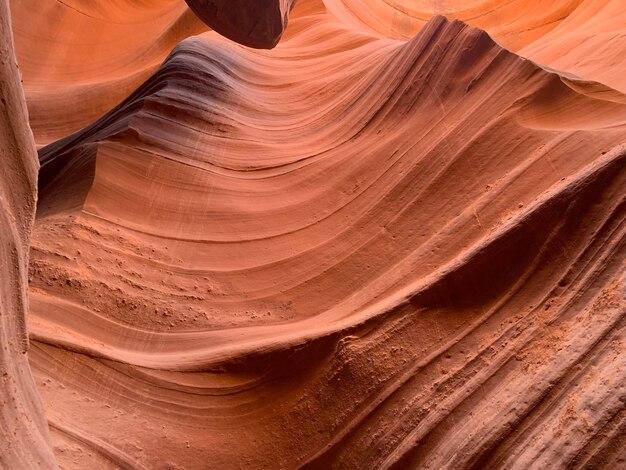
(348, 252)
(583, 37)
(24, 440)
(81, 58)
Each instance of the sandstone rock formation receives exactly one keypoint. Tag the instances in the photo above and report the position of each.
(395, 240)
(255, 23)
(24, 439)
(80, 58)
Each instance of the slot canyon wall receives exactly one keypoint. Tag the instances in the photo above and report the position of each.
(24, 438)
(318, 234)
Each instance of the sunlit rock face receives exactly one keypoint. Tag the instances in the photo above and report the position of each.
(351, 234)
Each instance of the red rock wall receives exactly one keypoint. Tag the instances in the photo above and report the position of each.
(24, 440)
(391, 241)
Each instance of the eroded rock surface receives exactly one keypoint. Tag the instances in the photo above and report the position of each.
(395, 240)
(24, 440)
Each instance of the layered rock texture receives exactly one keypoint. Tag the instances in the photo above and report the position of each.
(394, 240)
(24, 439)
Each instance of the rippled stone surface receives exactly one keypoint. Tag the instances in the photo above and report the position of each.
(394, 240)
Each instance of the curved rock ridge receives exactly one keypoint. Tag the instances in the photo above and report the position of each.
(24, 439)
(255, 23)
(81, 58)
(347, 252)
(590, 42)
(513, 23)
(583, 37)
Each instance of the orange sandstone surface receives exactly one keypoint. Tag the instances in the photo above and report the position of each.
(351, 234)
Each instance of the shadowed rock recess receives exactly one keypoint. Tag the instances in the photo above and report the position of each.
(382, 234)
(254, 23)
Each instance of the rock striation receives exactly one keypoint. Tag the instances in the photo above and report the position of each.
(24, 439)
(395, 240)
